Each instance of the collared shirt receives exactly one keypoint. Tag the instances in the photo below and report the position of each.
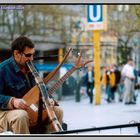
(128, 71)
(90, 77)
(13, 82)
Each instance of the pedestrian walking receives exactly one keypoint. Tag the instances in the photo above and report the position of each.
(89, 80)
(129, 81)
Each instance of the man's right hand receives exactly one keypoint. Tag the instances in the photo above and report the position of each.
(19, 104)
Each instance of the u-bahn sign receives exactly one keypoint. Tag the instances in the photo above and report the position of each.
(96, 17)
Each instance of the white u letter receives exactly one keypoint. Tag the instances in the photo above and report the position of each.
(91, 8)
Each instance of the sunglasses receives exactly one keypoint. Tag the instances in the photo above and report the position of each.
(28, 54)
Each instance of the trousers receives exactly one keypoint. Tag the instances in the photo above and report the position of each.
(128, 90)
(17, 121)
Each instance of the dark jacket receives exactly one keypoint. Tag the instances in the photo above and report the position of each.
(13, 82)
(117, 76)
(86, 78)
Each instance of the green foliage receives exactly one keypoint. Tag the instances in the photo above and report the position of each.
(126, 24)
(40, 20)
(123, 54)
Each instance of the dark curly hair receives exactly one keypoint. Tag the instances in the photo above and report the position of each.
(20, 43)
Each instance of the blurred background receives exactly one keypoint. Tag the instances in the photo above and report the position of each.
(56, 28)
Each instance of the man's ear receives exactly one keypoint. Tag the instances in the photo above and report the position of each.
(16, 53)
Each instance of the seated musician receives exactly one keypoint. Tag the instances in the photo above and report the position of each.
(15, 82)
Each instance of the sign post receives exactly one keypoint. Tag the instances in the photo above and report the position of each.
(96, 22)
(60, 55)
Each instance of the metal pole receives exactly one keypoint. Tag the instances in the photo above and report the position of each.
(77, 96)
(60, 58)
(96, 42)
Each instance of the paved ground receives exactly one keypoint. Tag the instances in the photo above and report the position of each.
(83, 115)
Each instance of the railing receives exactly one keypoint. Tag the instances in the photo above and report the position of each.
(137, 125)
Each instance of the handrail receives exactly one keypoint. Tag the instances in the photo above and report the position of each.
(100, 128)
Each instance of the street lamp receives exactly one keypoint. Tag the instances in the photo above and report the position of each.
(78, 28)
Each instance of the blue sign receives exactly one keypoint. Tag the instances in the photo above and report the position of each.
(95, 13)
(51, 67)
(96, 17)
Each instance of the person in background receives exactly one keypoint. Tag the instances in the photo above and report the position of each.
(108, 81)
(117, 81)
(113, 79)
(129, 81)
(89, 80)
(121, 85)
(15, 81)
